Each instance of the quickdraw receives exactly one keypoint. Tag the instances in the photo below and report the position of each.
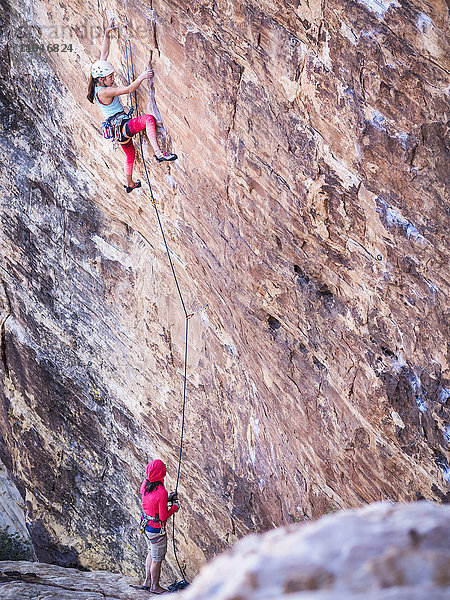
(204, 307)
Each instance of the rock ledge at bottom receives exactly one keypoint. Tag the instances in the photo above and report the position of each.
(39, 581)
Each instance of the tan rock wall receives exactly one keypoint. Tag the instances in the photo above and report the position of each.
(307, 208)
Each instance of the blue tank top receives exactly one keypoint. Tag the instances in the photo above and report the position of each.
(108, 110)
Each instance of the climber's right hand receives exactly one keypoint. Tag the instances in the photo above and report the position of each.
(177, 506)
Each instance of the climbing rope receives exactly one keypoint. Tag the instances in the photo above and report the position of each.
(130, 73)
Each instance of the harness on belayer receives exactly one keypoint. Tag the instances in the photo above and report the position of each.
(112, 128)
(146, 519)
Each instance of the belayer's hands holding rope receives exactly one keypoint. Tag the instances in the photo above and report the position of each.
(173, 500)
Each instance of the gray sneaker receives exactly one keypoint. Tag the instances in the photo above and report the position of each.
(166, 157)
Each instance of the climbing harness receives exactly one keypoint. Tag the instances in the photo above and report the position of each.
(146, 519)
(112, 128)
(130, 74)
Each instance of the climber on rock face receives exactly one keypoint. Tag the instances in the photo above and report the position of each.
(154, 506)
(106, 94)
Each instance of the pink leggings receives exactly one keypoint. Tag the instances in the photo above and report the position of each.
(131, 128)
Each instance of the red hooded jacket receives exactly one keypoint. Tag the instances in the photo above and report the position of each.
(154, 504)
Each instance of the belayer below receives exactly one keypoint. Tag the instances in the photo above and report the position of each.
(155, 514)
(106, 94)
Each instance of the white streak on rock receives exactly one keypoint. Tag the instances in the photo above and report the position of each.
(379, 7)
(444, 395)
(348, 33)
(399, 363)
(397, 419)
(394, 220)
(423, 22)
(111, 252)
(290, 87)
(421, 405)
(348, 178)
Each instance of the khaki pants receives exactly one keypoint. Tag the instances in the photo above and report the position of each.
(157, 545)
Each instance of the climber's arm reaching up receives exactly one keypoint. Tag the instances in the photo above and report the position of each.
(106, 40)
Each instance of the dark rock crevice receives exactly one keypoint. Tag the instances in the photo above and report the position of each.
(5, 314)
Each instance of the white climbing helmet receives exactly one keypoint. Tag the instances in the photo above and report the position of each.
(102, 68)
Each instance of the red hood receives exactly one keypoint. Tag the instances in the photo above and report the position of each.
(156, 470)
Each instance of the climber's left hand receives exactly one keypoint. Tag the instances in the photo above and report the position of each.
(111, 26)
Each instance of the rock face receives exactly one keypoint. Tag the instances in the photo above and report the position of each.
(382, 552)
(307, 209)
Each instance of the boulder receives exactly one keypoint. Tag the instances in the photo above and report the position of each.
(382, 552)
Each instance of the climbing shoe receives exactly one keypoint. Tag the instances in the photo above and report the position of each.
(166, 157)
(133, 187)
